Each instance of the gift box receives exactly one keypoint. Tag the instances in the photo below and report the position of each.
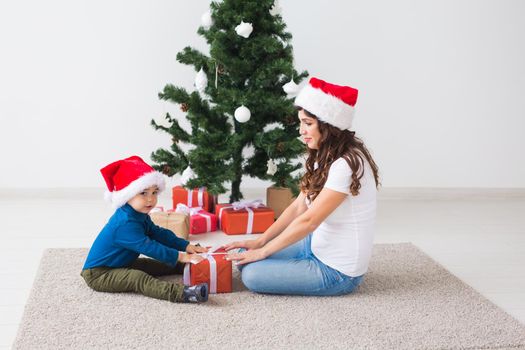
(176, 222)
(197, 197)
(244, 217)
(214, 270)
(279, 198)
(200, 221)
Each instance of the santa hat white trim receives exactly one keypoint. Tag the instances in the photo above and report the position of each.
(326, 107)
(119, 198)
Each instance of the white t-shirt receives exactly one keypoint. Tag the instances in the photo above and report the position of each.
(343, 241)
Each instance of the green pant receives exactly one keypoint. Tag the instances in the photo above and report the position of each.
(138, 278)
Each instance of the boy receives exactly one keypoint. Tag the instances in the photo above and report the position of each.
(113, 263)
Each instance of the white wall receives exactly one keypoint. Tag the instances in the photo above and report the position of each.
(441, 84)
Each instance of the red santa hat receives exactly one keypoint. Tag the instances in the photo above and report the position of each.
(126, 178)
(333, 104)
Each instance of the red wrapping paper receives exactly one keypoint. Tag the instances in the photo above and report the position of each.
(200, 273)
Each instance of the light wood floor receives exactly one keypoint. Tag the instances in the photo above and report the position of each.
(478, 236)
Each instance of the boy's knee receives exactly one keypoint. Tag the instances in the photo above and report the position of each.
(86, 275)
(93, 285)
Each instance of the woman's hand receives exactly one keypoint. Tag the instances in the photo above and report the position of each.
(190, 258)
(247, 256)
(195, 249)
(248, 244)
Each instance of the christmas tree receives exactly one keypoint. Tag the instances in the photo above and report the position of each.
(242, 117)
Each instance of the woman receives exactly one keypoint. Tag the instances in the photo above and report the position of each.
(322, 243)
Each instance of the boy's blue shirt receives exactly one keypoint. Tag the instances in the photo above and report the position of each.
(128, 234)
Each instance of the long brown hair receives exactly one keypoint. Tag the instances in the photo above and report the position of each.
(335, 143)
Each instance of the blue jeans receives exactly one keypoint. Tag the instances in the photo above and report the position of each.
(296, 270)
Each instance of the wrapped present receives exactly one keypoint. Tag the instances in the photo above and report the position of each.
(244, 217)
(176, 222)
(200, 220)
(197, 197)
(214, 270)
(279, 198)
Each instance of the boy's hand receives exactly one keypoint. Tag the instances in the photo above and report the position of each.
(190, 258)
(195, 249)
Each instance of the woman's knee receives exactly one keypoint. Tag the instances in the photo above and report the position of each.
(251, 277)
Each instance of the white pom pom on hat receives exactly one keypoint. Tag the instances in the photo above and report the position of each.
(333, 104)
(127, 177)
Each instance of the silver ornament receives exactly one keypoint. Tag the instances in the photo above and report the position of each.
(242, 114)
(291, 88)
(187, 175)
(201, 81)
(276, 8)
(206, 20)
(272, 167)
(244, 29)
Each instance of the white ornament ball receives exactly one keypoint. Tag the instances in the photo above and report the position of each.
(244, 29)
(276, 8)
(242, 114)
(201, 81)
(272, 167)
(206, 20)
(291, 88)
(187, 175)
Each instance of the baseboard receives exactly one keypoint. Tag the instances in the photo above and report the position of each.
(448, 193)
(53, 193)
(385, 193)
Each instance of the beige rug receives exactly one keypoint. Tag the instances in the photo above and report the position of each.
(407, 301)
